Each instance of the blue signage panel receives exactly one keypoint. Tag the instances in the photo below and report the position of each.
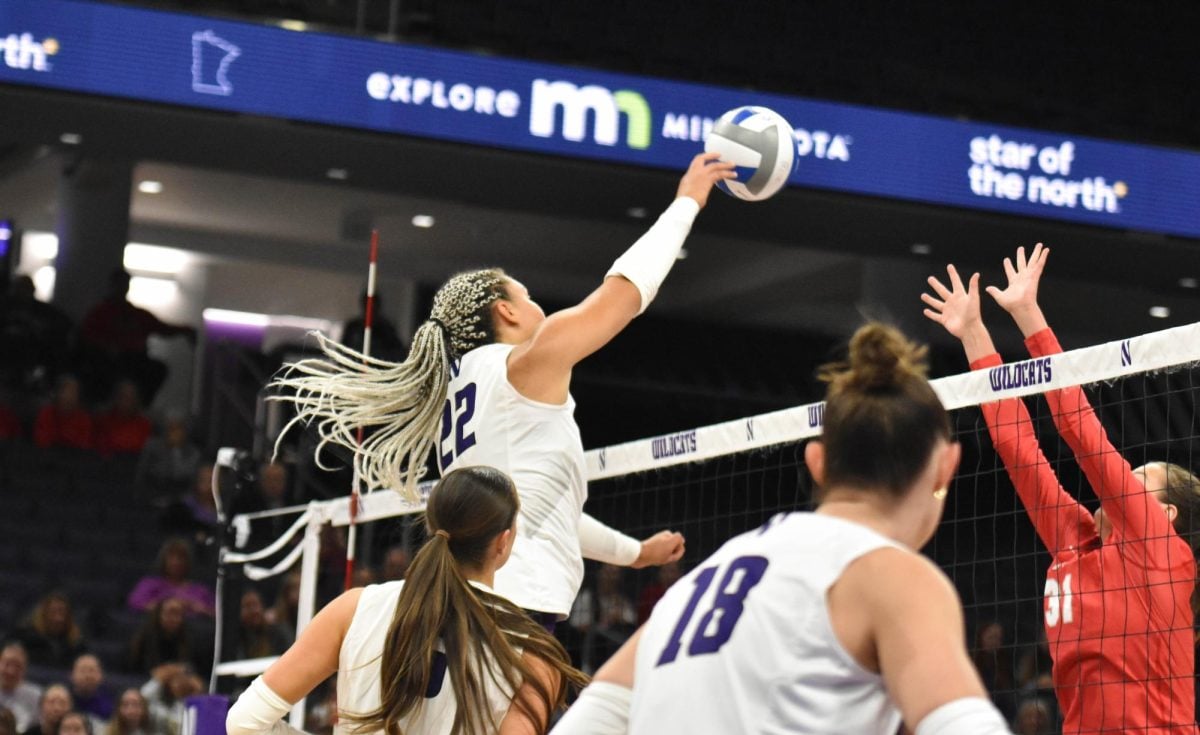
(240, 67)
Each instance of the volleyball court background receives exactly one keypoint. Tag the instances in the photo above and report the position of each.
(712, 483)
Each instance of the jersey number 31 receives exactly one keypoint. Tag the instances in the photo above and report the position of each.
(714, 629)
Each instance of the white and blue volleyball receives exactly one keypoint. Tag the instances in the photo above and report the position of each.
(760, 143)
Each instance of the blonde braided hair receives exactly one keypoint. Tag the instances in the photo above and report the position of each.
(402, 402)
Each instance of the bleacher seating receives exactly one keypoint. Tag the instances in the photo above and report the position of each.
(71, 523)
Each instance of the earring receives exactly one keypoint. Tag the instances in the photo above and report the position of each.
(940, 493)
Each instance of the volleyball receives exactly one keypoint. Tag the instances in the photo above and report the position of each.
(760, 143)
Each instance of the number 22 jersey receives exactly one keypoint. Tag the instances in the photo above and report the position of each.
(744, 644)
(487, 422)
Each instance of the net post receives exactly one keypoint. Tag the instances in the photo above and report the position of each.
(308, 588)
(355, 489)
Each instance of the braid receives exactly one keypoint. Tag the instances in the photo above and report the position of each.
(463, 306)
(401, 403)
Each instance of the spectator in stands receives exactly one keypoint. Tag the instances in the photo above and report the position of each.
(287, 605)
(52, 637)
(91, 693)
(64, 422)
(270, 492)
(10, 422)
(21, 697)
(385, 340)
(113, 338)
(8, 722)
(195, 514)
(1035, 662)
(273, 486)
(132, 716)
(172, 582)
(75, 723)
(123, 429)
(994, 662)
(395, 563)
(1034, 717)
(165, 694)
(606, 616)
(164, 638)
(168, 463)
(56, 702)
(665, 576)
(33, 337)
(201, 503)
(363, 575)
(256, 637)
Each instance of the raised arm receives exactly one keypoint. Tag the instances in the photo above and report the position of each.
(1133, 512)
(1060, 520)
(540, 367)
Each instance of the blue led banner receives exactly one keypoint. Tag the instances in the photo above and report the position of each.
(239, 67)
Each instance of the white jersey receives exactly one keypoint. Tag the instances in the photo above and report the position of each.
(744, 644)
(359, 675)
(487, 422)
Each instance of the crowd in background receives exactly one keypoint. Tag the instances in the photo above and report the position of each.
(51, 679)
(79, 386)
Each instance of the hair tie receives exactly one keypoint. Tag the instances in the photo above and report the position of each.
(440, 324)
(442, 533)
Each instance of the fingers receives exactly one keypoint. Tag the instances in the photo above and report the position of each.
(938, 288)
(710, 162)
(934, 316)
(955, 282)
(935, 303)
(994, 293)
(1038, 259)
(1009, 270)
(973, 284)
(1021, 258)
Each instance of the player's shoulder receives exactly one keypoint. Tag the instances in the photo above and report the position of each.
(894, 577)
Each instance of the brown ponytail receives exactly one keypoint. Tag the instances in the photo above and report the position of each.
(480, 632)
(882, 419)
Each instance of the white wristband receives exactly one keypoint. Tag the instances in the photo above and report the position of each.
(966, 716)
(601, 543)
(259, 710)
(602, 709)
(646, 263)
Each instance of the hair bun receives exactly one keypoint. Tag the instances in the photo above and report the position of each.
(880, 358)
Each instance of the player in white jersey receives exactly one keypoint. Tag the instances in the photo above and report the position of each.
(488, 382)
(435, 654)
(823, 622)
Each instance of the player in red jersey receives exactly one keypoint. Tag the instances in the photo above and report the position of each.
(1118, 600)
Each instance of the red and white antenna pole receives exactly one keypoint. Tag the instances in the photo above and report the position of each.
(355, 490)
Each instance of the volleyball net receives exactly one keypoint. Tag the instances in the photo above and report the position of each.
(714, 482)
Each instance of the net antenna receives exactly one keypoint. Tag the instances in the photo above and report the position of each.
(356, 481)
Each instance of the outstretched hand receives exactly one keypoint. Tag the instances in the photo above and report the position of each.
(1021, 292)
(704, 171)
(956, 308)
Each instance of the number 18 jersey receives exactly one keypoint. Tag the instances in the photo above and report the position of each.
(744, 644)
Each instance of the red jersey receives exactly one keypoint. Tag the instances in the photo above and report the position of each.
(118, 433)
(54, 428)
(1118, 615)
